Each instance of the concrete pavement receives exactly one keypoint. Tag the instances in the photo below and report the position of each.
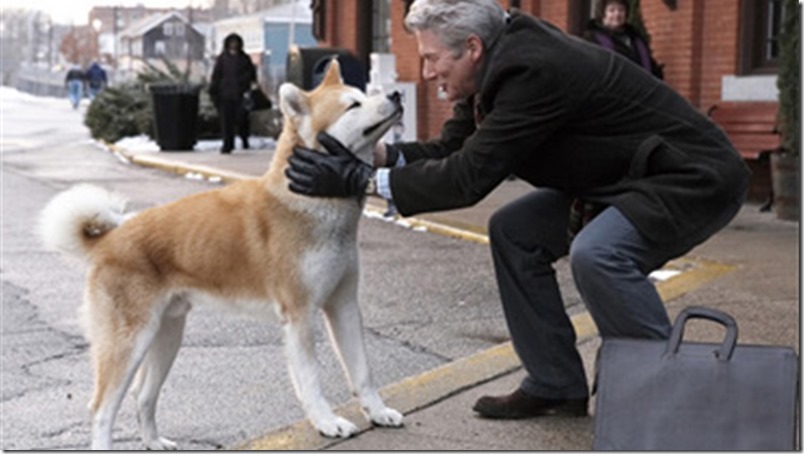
(749, 270)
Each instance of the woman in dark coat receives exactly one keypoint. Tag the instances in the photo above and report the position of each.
(610, 29)
(232, 77)
(577, 122)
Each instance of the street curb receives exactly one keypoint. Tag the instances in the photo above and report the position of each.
(426, 389)
(407, 396)
(225, 176)
(431, 227)
(429, 388)
(179, 168)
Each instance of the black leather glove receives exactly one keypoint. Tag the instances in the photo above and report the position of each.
(338, 174)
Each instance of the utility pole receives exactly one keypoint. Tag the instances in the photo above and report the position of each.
(292, 28)
(114, 33)
(187, 40)
(49, 42)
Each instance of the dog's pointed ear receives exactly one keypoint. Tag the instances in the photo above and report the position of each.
(333, 75)
(293, 101)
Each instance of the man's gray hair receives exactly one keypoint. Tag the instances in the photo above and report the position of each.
(455, 20)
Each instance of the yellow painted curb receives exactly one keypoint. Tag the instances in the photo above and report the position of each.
(694, 273)
(180, 168)
(433, 227)
(430, 387)
(184, 169)
(406, 396)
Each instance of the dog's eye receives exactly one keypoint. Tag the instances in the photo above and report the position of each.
(354, 105)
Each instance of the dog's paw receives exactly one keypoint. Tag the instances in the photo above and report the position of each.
(161, 444)
(387, 417)
(336, 428)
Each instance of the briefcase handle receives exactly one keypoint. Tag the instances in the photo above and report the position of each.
(729, 342)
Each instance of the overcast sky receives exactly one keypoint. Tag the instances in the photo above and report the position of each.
(76, 11)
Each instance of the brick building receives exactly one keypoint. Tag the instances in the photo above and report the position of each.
(715, 52)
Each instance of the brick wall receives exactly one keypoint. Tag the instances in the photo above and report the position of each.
(341, 30)
(720, 48)
(556, 13)
(431, 111)
(697, 42)
(674, 42)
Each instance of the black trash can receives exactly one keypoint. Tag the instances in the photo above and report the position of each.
(175, 115)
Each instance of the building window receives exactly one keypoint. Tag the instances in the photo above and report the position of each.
(167, 29)
(761, 24)
(159, 48)
(178, 29)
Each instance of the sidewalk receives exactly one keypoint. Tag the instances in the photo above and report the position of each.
(749, 270)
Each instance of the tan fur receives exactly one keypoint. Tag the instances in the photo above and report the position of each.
(241, 244)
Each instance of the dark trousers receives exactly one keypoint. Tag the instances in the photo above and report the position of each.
(234, 120)
(610, 262)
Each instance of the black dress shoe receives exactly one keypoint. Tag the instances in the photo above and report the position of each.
(519, 405)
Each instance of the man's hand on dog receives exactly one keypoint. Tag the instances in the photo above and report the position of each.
(337, 174)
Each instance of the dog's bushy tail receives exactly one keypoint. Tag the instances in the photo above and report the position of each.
(74, 220)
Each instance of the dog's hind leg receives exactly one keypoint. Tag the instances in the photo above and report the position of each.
(154, 371)
(303, 366)
(346, 331)
(117, 349)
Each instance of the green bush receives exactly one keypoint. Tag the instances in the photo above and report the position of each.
(118, 112)
(126, 110)
(789, 80)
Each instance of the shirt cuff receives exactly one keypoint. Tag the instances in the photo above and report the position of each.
(384, 183)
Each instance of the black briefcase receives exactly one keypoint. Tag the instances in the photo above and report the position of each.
(674, 395)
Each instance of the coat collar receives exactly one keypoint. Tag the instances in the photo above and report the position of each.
(490, 53)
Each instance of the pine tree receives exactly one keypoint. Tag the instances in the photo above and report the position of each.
(789, 81)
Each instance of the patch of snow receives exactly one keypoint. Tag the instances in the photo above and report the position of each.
(143, 143)
(663, 275)
(137, 143)
(9, 94)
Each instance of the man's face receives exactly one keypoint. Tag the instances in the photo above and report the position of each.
(455, 76)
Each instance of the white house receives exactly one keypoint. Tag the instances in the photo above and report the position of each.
(167, 36)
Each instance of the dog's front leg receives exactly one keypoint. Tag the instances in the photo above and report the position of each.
(346, 331)
(300, 350)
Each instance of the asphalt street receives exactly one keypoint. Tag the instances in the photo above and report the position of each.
(435, 332)
(426, 299)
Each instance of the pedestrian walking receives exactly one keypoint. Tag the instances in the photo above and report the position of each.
(74, 81)
(579, 123)
(96, 79)
(233, 76)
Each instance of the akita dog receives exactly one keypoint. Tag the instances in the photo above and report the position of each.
(252, 245)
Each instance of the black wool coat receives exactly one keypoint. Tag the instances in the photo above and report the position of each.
(232, 76)
(563, 113)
